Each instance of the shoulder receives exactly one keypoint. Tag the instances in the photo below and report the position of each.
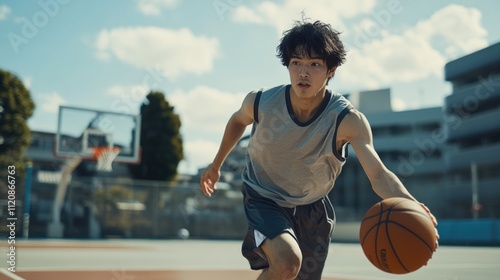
(354, 125)
(354, 117)
(262, 96)
(256, 94)
(273, 91)
(248, 102)
(251, 96)
(339, 99)
(251, 103)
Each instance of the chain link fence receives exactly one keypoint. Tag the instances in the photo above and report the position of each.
(117, 208)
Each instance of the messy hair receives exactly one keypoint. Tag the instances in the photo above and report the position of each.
(306, 37)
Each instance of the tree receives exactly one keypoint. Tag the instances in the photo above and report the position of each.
(160, 140)
(16, 106)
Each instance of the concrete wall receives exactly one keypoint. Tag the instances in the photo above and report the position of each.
(484, 232)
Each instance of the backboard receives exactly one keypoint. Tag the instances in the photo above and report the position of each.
(80, 130)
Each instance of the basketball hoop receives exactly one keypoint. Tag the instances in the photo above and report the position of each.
(105, 156)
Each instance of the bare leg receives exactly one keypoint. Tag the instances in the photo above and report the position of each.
(284, 257)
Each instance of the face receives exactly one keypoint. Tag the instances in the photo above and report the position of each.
(308, 75)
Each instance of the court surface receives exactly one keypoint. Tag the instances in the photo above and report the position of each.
(210, 260)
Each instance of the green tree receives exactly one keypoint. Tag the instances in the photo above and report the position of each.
(160, 140)
(16, 106)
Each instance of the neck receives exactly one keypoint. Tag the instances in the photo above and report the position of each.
(305, 108)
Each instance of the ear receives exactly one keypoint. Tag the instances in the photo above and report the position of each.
(331, 71)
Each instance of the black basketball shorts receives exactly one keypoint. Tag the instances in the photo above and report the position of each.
(311, 225)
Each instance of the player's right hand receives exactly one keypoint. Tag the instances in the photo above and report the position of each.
(208, 179)
(435, 222)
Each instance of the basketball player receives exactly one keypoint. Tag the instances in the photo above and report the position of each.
(296, 151)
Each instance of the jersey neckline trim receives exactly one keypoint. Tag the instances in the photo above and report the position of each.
(321, 109)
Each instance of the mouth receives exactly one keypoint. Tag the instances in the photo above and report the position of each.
(303, 84)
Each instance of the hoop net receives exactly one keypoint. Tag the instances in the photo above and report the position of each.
(105, 157)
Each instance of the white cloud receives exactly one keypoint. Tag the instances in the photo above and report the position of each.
(392, 59)
(135, 92)
(127, 98)
(204, 113)
(282, 16)
(50, 102)
(4, 12)
(456, 27)
(205, 109)
(244, 14)
(416, 53)
(175, 52)
(198, 154)
(28, 81)
(154, 7)
(398, 104)
(376, 57)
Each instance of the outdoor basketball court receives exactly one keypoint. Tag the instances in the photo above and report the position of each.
(104, 137)
(204, 259)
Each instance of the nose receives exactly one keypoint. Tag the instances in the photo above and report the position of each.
(303, 71)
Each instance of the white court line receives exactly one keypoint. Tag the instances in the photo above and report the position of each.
(10, 274)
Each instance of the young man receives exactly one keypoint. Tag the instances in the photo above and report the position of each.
(296, 151)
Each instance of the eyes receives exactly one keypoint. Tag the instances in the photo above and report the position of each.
(314, 64)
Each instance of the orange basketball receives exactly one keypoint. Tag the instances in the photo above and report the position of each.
(397, 235)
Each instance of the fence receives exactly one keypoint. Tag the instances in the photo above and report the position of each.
(121, 208)
(109, 208)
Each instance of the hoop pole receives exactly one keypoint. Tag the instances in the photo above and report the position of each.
(55, 228)
(27, 199)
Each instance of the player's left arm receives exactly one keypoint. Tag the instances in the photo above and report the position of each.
(356, 130)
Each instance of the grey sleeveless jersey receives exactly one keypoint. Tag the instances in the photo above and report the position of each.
(290, 162)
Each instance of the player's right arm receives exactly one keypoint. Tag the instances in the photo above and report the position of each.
(232, 134)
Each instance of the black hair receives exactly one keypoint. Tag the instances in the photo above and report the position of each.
(308, 37)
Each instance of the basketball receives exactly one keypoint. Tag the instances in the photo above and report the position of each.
(183, 233)
(397, 235)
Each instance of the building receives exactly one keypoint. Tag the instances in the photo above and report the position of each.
(410, 143)
(41, 151)
(472, 123)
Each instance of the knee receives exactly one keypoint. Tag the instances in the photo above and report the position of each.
(289, 266)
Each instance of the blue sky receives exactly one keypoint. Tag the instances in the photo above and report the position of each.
(206, 55)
